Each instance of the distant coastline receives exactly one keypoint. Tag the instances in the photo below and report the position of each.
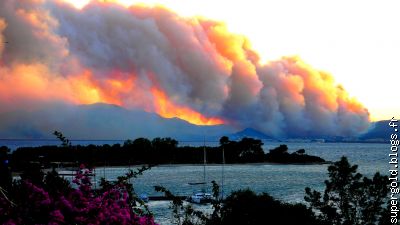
(159, 151)
(13, 144)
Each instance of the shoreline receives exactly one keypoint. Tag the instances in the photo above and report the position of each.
(200, 164)
(17, 173)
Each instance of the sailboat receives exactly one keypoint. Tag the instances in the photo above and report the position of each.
(201, 197)
(222, 175)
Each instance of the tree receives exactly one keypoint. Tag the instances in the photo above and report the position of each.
(65, 141)
(137, 151)
(349, 198)
(301, 151)
(144, 147)
(251, 150)
(5, 172)
(247, 208)
(164, 149)
(29, 203)
(55, 185)
(230, 148)
(246, 150)
(142, 144)
(33, 172)
(224, 140)
(279, 154)
(282, 149)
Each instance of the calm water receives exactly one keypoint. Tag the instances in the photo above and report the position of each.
(17, 143)
(285, 182)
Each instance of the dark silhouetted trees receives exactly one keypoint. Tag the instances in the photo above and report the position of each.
(281, 155)
(5, 172)
(245, 150)
(241, 207)
(156, 151)
(349, 198)
(246, 207)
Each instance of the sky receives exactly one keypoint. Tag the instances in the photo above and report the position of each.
(357, 41)
(285, 68)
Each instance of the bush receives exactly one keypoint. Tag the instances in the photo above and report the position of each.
(349, 198)
(30, 203)
(242, 207)
(247, 208)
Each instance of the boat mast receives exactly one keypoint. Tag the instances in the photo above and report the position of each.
(223, 167)
(204, 164)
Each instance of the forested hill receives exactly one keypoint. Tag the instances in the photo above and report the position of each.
(156, 151)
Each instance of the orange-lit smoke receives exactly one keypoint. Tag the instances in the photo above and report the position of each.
(165, 108)
(152, 59)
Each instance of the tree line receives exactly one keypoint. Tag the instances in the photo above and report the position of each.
(155, 151)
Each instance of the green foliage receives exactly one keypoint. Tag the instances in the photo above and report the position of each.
(157, 151)
(245, 150)
(349, 198)
(164, 143)
(33, 172)
(282, 149)
(281, 155)
(4, 152)
(51, 181)
(125, 181)
(187, 215)
(176, 205)
(223, 141)
(54, 184)
(144, 144)
(165, 148)
(5, 172)
(301, 151)
(65, 142)
(251, 150)
(241, 207)
(35, 204)
(247, 208)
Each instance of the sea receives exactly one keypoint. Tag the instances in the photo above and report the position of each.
(284, 182)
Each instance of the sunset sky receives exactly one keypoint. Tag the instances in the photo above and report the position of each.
(357, 41)
(285, 68)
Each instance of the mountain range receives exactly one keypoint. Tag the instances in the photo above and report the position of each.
(111, 122)
(102, 122)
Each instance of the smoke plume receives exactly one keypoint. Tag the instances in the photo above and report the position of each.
(152, 59)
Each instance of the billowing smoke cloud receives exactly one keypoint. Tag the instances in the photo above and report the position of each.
(152, 59)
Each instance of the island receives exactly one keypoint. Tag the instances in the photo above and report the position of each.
(155, 152)
(281, 155)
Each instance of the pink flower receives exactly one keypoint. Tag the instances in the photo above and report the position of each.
(81, 206)
(57, 216)
(10, 222)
